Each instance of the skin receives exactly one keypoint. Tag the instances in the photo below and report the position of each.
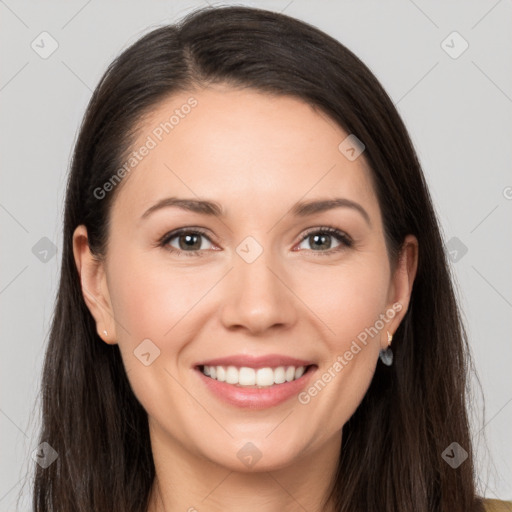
(256, 155)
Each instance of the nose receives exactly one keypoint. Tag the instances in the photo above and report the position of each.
(257, 296)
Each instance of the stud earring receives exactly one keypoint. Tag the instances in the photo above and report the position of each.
(386, 356)
(105, 333)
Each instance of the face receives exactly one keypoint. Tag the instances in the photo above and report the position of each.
(256, 275)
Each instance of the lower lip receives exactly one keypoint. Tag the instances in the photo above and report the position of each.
(256, 398)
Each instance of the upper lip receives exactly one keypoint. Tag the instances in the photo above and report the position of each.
(244, 360)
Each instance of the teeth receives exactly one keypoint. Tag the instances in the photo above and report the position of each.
(265, 377)
(262, 377)
(246, 377)
(280, 375)
(231, 375)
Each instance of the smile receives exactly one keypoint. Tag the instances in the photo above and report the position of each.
(251, 377)
(251, 388)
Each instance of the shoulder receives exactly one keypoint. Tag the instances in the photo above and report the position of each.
(497, 505)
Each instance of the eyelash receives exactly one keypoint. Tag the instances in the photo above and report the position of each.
(345, 240)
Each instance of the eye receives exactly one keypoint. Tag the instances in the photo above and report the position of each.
(189, 241)
(321, 239)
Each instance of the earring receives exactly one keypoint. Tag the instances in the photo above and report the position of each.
(105, 333)
(386, 356)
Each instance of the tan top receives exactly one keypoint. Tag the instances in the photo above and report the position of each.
(497, 505)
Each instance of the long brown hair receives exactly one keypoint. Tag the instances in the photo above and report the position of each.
(391, 457)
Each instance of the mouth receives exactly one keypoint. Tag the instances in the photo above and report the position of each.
(255, 382)
(255, 378)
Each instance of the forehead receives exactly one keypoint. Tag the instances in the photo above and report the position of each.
(243, 147)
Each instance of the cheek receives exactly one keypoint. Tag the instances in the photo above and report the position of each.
(352, 302)
(149, 298)
(347, 298)
(148, 302)
(363, 299)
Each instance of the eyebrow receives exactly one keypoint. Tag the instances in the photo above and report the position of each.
(300, 209)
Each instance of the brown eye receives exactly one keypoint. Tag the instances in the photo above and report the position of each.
(321, 240)
(185, 241)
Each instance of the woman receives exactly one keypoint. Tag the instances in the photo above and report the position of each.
(255, 308)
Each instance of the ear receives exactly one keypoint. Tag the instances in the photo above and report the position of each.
(94, 286)
(401, 284)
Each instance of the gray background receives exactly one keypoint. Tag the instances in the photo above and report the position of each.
(457, 111)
